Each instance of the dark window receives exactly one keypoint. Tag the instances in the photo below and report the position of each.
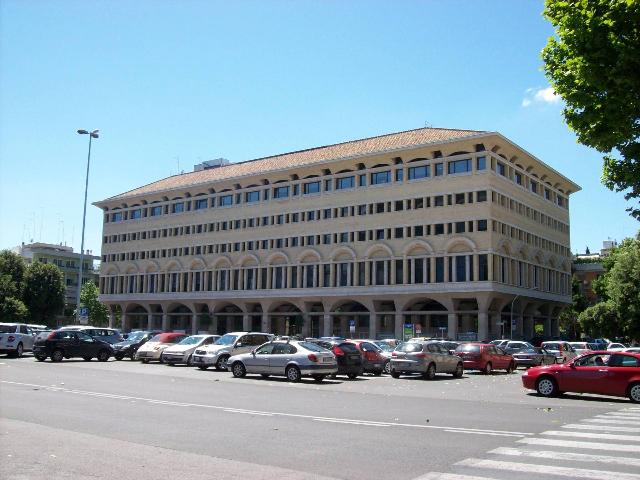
(252, 197)
(178, 207)
(226, 200)
(201, 204)
(461, 269)
(438, 201)
(311, 187)
(281, 192)
(500, 168)
(482, 225)
(327, 185)
(459, 198)
(344, 182)
(399, 175)
(439, 269)
(362, 180)
(439, 169)
(460, 227)
(418, 231)
(534, 186)
(518, 178)
(116, 217)
(481, 163)
(459, 166)
(419, 172)
(481, 196)
(135, 214)
(156, 211)
(438, 229)
(380, 177)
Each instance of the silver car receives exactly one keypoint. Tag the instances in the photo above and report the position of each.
(182, 352)
(292, 359)
(218, 353)
(108, 335)
(426, 358)
(561, 349)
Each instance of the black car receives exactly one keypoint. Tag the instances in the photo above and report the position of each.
(348, 356)
(61, 344)
(129, 346)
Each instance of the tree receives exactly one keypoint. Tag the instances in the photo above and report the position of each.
(600, 320)
(13, 310)
(568, 318)
(43, 291)
(98, 311)
(593, 65)
(13, 265)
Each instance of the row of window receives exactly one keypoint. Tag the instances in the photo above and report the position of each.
(341, 181)
(526, 211)
(350, 273)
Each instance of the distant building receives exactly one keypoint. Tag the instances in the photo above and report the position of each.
(588, 266)
(67, 261)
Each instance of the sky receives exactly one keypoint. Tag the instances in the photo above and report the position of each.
(173, 83)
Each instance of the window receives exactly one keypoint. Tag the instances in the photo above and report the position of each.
(438, 201)
(156, 211)
(281, 192)
(362, 180)
(439, 169)
(201, 204)
(481, 196)
(460, 227)
(135, 214)
(177, 207)
(500, 168)
(418, 231)
(344, 182)
(481, 163)
(419, 172)
(439, 269)
(534, 186)
(226, 200)
(116, 217)
(380, 177)
(547, 194)
(311, 187)
(482, 225)
(483, 267)
(560, 201)
(252, 197)
(327, 185)
(461, 269)
(518, 178)
(399, 175)
(438, 229)
(459, 166)
(459, 198)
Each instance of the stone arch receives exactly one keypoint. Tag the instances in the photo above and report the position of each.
(151, 267)
(309, 253)
(414, 248)
(173, 266)
(222, 261)
(131, 268)
(111, 270)
(275, 256)
(458, 244)
(378, 247)
(249, 259)
(285, 318)
(197, 263)
(504, 246)
(341, 252)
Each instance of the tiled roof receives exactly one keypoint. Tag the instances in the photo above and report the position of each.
(365, 146)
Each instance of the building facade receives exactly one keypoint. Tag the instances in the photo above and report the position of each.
(67, 261)
(439, 231)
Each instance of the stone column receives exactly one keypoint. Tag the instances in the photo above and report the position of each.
(547, 326)
(266, 328)
(483, 326)
(246, 322)
(452, 326)
(123, 322)
(306, 325)
(326, 324)
(112, 319)
(165, 322)
(149, 321)
(398, 325)
(373, 325)
(528, 327)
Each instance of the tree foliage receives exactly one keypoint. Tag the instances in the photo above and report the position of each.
(618, 315)
(43, 291)
(98, 311)
(569, 317)
(593, 64)
(13, 310)
(12, 270)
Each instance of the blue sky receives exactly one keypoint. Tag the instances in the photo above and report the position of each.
(172, 83)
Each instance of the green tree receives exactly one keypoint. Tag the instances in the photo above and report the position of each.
(13, 310)
(98, 311)
(43, 292)
(593, 64)
(13, 265)
(600, 320)
(569, 316)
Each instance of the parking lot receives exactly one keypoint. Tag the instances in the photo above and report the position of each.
(65, 416)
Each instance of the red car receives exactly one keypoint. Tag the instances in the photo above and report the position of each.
(604, 373)
(485, 357)
(372, 358)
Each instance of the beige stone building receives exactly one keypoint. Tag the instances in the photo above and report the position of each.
(440, 231)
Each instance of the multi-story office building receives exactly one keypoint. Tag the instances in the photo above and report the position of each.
(443, 230)
(67, 261)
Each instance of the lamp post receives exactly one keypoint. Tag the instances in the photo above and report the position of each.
(93, 134)
(511, 322)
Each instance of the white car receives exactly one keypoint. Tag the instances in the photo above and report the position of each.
(583, 347)
(152, 350)
(561, 349)
(218, 353)
(632, 349)
(616, 347)
(15, 338)
(182, 352)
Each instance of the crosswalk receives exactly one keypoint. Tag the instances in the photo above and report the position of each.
(605, 447)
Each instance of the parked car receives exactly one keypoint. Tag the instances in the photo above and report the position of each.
(513, 346)
(347, 355)
(292, 359)
(450, 345)
(182, 352)
(533, 357)
(60, 344)
(632, 349)
(583, 347)
(499, 342)
(152, 350)
(426, 358)
(15, 338)
(234, 343)
(385, 349)
(616, 347)
(108, 335)
(601, 372)
(561, 349)
(373, 359)
(129, 346)
(485, 357)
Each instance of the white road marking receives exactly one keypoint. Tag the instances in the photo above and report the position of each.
(609, 428)
(611, 447)
(578, 457)
(477, 431)
(621, 413)
(349, 422)
(611, 422)
(545, 470)
(598, 436)
(449, 476)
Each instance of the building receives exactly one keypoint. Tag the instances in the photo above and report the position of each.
(587, 267)
(440, 231)
(67, 261)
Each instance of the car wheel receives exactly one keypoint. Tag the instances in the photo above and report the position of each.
(488, 369)
(264, 375)
(318, 378)
(203, 367)
(459, 371)
(87, 359)
(547, 387)
(293, 373)
(352, 376)
(377, 373)
(395, 374)
(40, 358)
(634, 392)
(103, 355)
(238, 370)
(387, 367)
(161, 359)
(57, 355)
(119, 356)
(19, 351)
(430, 374)
(189, 361)
(511, 368)
(221, 364)
(145, 360)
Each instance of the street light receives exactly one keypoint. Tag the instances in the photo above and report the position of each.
(511, 322)
(93, 134)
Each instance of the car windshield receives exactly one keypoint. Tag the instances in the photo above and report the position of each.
(135, 336)
(226, 340)
(384, 346)
(191, 340)
(551, 346)
(410, 347)
(7, 328)
(312, 346)
(528, 350)
(156, 338)
(468, 348)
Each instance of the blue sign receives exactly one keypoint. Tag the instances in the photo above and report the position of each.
(352, 323)
(84, 312)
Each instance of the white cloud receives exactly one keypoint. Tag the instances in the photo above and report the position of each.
(539, 95)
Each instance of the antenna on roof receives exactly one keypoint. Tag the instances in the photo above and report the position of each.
(427, 124)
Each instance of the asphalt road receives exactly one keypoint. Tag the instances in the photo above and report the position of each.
(126, 420)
